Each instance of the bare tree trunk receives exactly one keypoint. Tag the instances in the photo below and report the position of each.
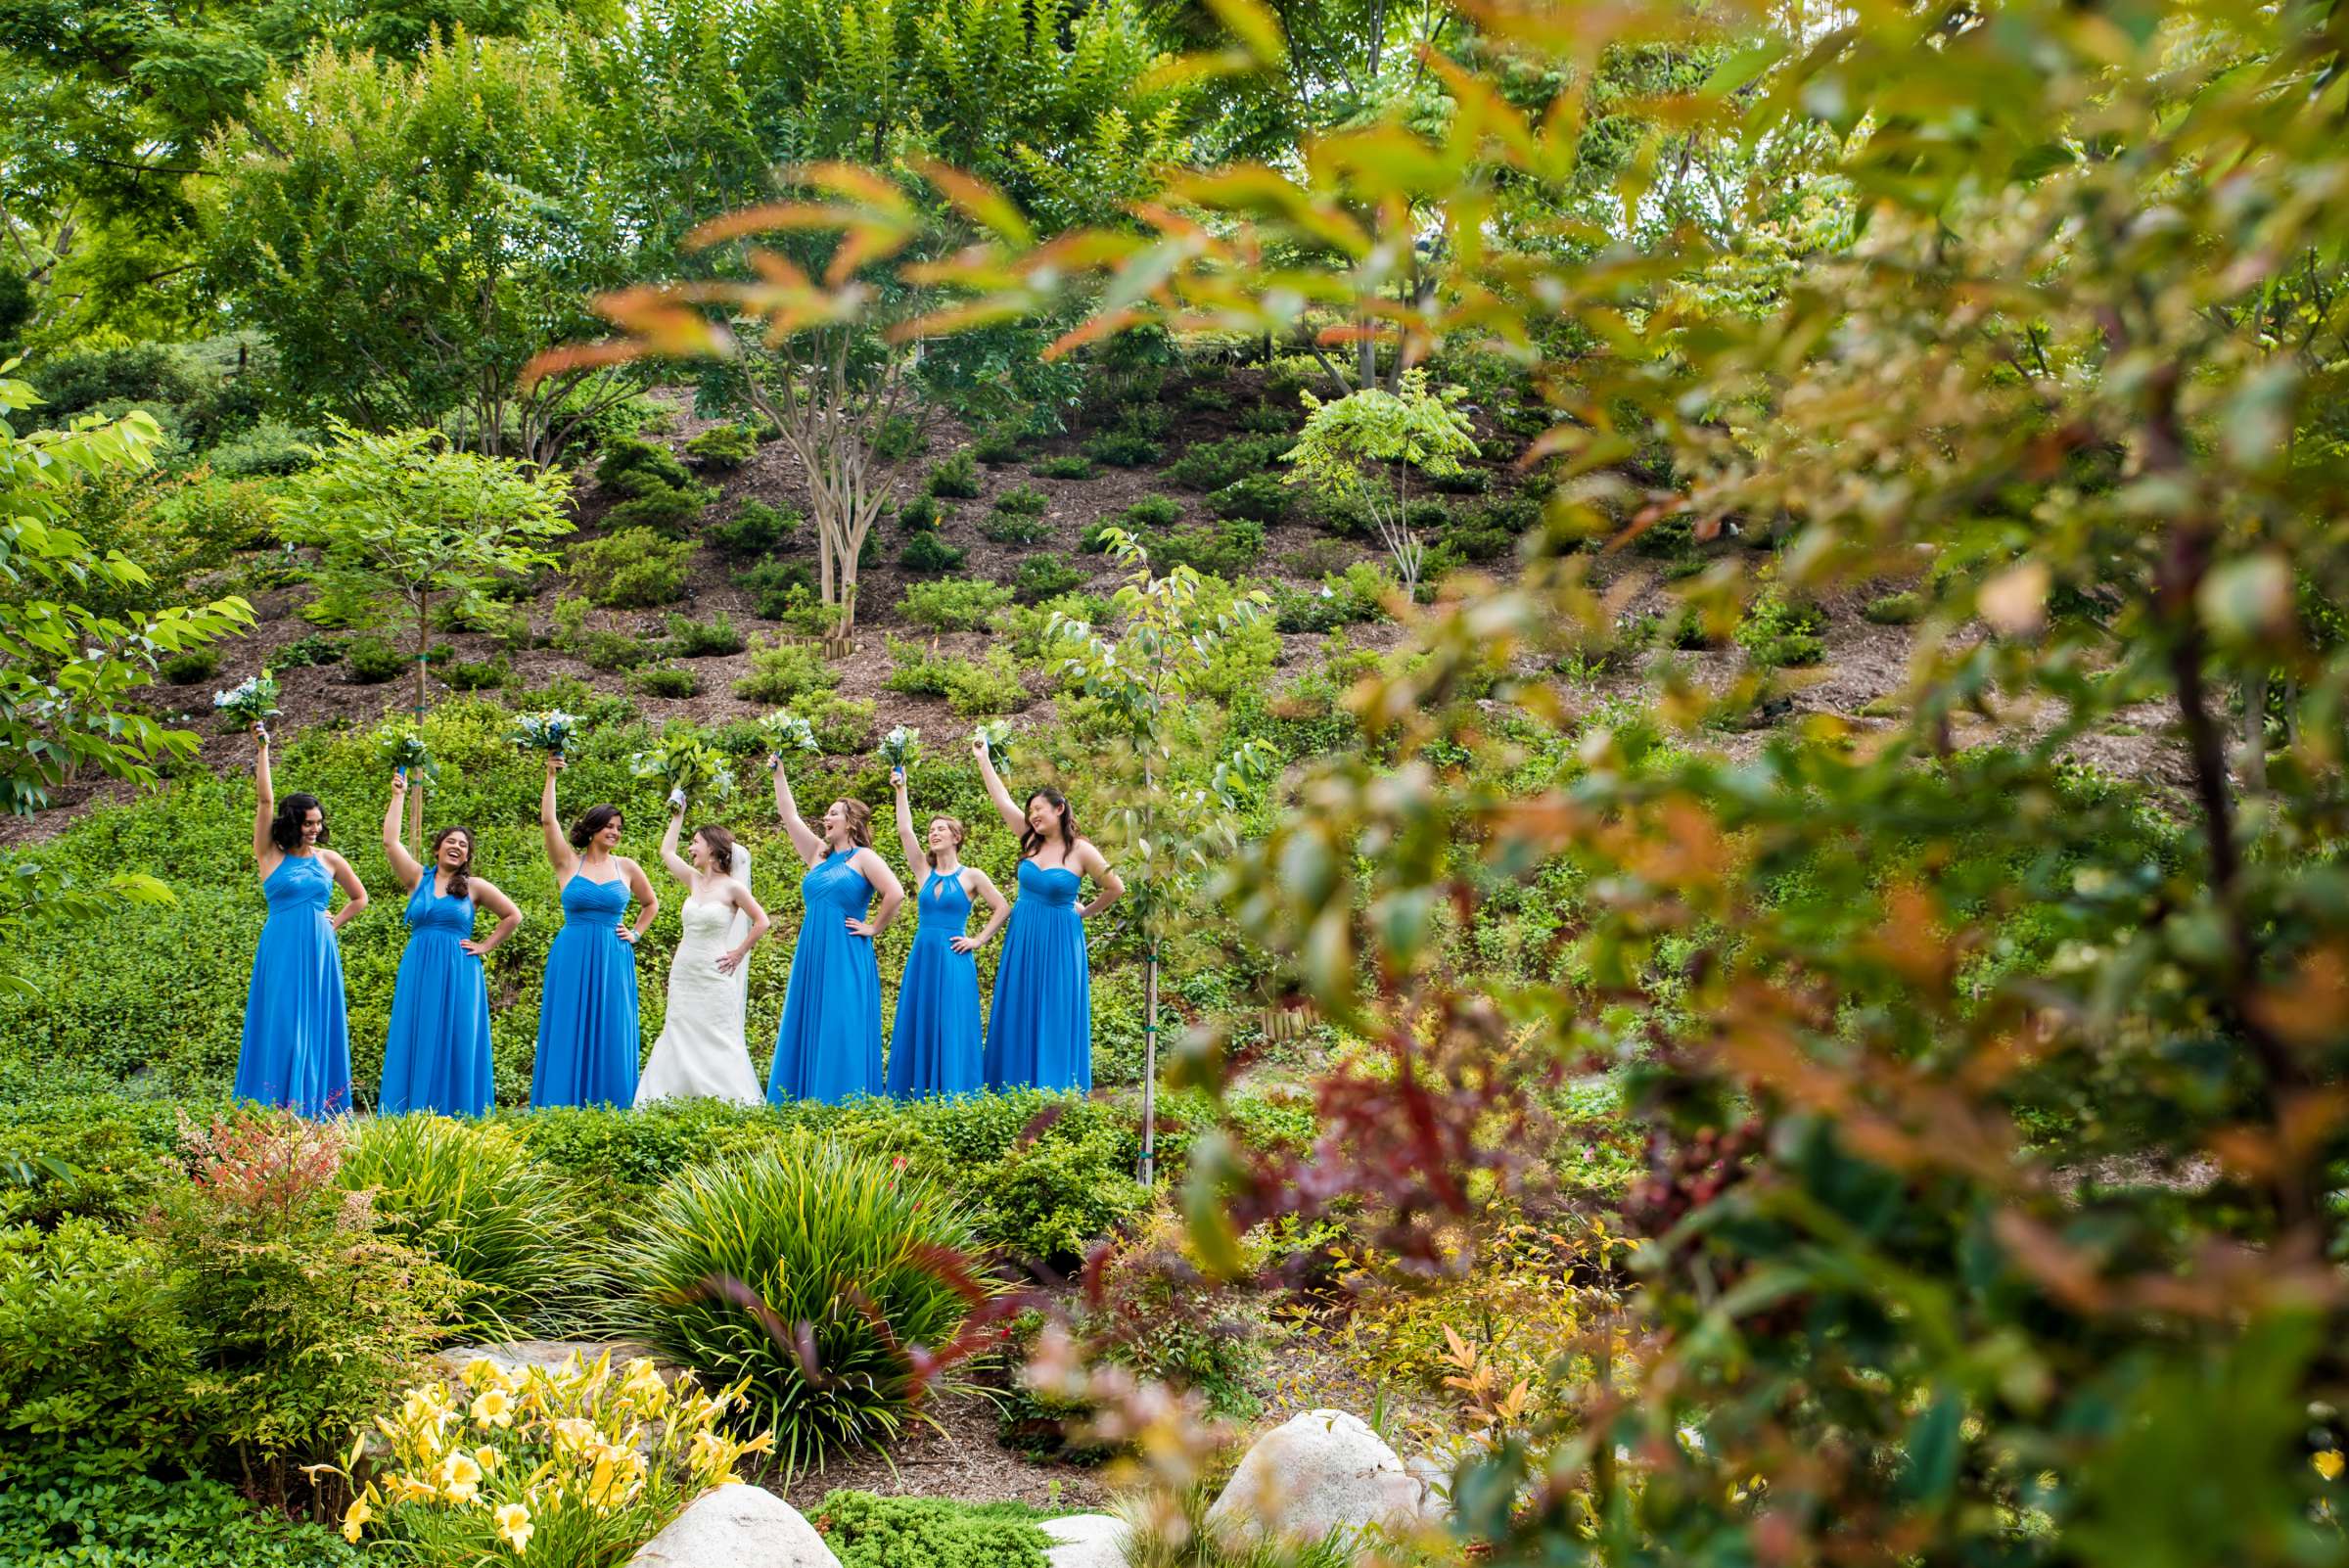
(2255, 732)
(424, 636)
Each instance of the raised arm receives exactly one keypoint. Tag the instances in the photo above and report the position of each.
(493, 899)
(354, 891)
(999, 910)
(403, 864)
(803, 838)
(907, 839)
(679, 866)
(559, 853)
(731, 959)
(1090, 861)
(648, 900)
(884, 881)
(265, 801)
(1005, 807)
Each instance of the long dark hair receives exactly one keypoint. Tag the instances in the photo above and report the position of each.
(460, 885)
(285, 828)
(1030, 840)
(594, 822)
(722, 847)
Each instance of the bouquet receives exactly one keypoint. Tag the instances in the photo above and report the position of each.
(401, 749)
(786, 733)
(997, 735)
(250, 700)
(900, 747)
(687, 766)
(550, 732)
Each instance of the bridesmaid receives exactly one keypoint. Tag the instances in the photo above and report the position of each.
(1040, 1031)
(828, 1046)
(934, 1046)
(437, 1056)
(588, 1036)
(297, 1049)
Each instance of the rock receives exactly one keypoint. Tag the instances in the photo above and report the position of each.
(1436, 1476)
(739, 1526)
(1321, 1471)
(513, 1357)
(1085, 1541)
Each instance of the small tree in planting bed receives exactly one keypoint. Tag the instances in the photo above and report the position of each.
(403, 520)
(1360, 450)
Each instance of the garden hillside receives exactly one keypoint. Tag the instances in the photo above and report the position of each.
(1707, 644)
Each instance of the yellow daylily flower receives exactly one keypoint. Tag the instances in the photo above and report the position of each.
(494, 1407)
(514, 1527)
(2328, 1464)
(459, 1477)
(355, 1518)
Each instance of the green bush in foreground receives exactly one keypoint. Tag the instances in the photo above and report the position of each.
(832, 1241)
(866, 1530)
(68, 1519)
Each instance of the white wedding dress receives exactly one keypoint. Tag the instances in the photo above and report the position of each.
(701, 1054)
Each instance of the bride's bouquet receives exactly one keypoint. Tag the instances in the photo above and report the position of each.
(687, 766)
(401, 748)
(997, 734)
(550, 732)
(250, 700)
(900, 747)
(786, 732)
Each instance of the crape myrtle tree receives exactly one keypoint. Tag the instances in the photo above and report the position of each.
(1992, 1107)
(404, 522)
(69, 675)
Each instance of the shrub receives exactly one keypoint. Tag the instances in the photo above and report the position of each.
(110, 1158)
(900, 438)
(68, 1518)
(1225, 549)
(1151, 513)
(630, 466)
(270, 450)
(1307, 610)
(1474, 539)
(1206, 396)
(471, 1196)
(963, 604)
(1043, 576)
(314, 649)
(1777, 632)
(928, 553)
(1023, 500)
(865, 1531)
(478, 674)
(755, 528)
(1467, 481)
(372, 661)
(974, 688)
(631, 569)
(1270, 419)
(95, 1356)
(665, 680)
(957, 477)
(1122, 448)
(1895, 609)
(1049, 1199)
(1212, 465)
(804, 614)
(1069, 467)
(843, 725)
(704, 639)
(784, 673)
(1260, 496)
(997, 445)
(605, 649)
(724, 446)
(771, 584)
(793, 1223)
(1014, 527)
(568, 1466)
(922, 512)
(667, 510)
(187, 668)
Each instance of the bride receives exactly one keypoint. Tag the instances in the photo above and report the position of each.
(701, 1054)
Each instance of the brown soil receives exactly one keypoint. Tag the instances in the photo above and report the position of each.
(958, 1458)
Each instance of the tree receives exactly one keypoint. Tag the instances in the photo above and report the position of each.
(408, 235)
(405, 520)
(67, 674)
(1360, 450)
(1171, 831)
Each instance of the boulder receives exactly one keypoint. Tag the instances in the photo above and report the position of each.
(1085, 1541)
(740, 1526)
(513, 1357)
(1320, 1471)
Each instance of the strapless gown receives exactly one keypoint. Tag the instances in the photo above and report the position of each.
(588, 1035)
(296, 1047)
(701, 1054)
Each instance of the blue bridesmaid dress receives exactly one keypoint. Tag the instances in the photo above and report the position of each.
(588, 1037)
(436, 1057)
(297, 1050)
(1040, 1031)
(934, 1049)
(828, 1046)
